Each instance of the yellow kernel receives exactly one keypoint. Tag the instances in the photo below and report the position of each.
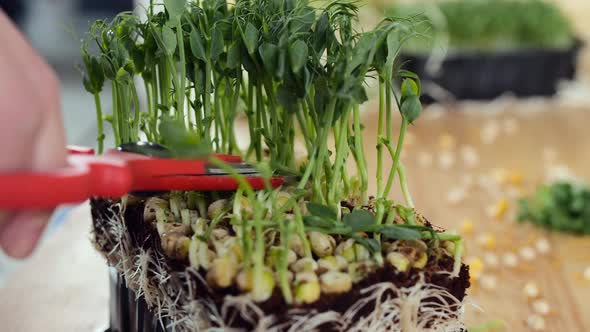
(476, 267)
(499, 209)
(446, 141)
(467, 227)
(515, 178)
(487, 241)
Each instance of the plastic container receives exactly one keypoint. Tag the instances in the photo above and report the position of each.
(482, 76)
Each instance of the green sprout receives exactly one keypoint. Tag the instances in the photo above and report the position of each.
(294, 73)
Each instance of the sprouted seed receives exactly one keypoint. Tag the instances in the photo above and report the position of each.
(297, 75)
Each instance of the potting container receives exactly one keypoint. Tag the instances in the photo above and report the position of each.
(483, 75)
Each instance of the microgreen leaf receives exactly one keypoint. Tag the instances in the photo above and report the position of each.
(196, 43)
(169, 40)
(315, 221)
(298, 55)
(411, 108)
(251, 38)
(269, 54)
(321, 211)
(216, 43)
(359, 220)
(181, 142)
(371, 244)
(322, 28)
(396, 232)
(409, 88)
(233, 55)
(175, 8)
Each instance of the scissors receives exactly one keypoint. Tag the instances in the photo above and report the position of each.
(133, 167)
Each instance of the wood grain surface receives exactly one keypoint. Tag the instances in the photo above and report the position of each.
(64, 286)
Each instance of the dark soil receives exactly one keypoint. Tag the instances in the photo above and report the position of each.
(146, 236)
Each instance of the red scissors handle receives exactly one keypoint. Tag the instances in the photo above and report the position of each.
(112, 175)
(84, 177)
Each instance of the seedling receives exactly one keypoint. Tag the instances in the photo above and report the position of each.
(294, 74)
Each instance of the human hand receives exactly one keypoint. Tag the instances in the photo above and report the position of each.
(31, 130)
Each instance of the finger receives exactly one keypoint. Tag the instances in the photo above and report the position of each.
(20, 234)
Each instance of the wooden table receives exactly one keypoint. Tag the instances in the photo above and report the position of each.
(64, 286)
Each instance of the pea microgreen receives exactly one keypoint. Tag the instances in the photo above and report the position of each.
(294, 73)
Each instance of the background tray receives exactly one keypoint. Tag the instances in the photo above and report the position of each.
(481, 76)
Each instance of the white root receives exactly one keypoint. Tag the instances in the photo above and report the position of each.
(171, 295)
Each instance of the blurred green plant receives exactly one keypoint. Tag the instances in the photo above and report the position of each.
(487, 25)
(561, 206)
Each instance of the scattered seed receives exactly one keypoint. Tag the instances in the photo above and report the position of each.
(476, 267)
(498, 210)
(488, 282)
(470, 156)
(543, 246)
(527, 253)
(491, 259)
(490, 132)
(536, 323)
(531, 290)
(446, 160)
(487, 241)
(456, 195)
(509, 259)
(447, 141)
(467, 227)
(541, 307)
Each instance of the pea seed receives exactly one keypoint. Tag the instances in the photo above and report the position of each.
(153, 204)
(398, 260)
(322, 244)
(335, 282)
(307, 293)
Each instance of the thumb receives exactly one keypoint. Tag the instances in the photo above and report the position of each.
(20, 231)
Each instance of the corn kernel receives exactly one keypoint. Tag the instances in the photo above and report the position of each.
(447, 141)
(527, 253)
(487, 241)
(510, 259)
(499, 209)
(476, 267)
(488, 282)
(515, 178)
(467, 227)
(543, 246)
(531, 290)
(536, 323)
(541, 307)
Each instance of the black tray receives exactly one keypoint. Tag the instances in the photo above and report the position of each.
(127, 312)
(482, 76)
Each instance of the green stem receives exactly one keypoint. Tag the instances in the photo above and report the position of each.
(181, 88)
(116, 115)
(99, 122)
(380, 139)
(398, 151)
(404, 185)
(334, 188)
(136, 110)
(360, 154)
